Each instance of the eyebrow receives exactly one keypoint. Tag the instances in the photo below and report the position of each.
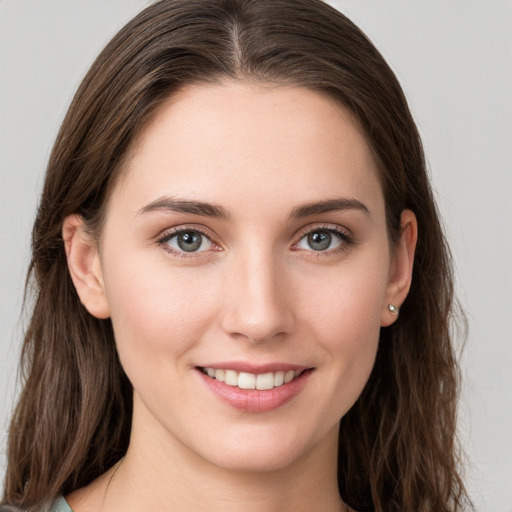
(212, 210)
(185, 206)
(330, 205)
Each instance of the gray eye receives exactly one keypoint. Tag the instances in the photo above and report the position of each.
(319, 240)
(189, 241)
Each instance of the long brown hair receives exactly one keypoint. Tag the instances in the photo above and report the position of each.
(397, 449)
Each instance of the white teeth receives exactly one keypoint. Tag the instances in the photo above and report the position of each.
(231, 378)
(246, 380)
(265, 381)
(289, 376)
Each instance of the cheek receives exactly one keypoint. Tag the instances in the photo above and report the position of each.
(157, 316)
(344, 318)
(346, 305)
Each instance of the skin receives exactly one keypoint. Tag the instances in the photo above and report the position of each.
(257, 293)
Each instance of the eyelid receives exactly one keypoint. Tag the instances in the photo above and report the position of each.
(323, 226)
(164, 236)
(344, 234)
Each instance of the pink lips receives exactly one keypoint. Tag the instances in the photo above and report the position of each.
(242, 366)
(253, 400)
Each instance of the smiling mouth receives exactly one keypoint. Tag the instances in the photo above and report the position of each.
(245, 380)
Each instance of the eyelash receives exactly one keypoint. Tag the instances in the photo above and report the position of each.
(162, 240)
(346, 240)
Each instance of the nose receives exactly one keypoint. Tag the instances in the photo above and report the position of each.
(258, 300)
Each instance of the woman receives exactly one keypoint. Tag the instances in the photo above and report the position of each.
(243, 289)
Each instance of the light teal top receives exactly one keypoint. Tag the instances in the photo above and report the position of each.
(60, 505)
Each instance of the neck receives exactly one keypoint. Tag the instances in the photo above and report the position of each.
(160, 473)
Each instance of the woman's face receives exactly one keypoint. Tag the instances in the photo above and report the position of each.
(246, 240)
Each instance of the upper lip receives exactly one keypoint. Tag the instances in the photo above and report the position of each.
(256, 369)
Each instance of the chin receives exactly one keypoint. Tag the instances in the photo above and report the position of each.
(261, 461)
(267, 451)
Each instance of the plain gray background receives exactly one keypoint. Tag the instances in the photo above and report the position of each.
(454, 60)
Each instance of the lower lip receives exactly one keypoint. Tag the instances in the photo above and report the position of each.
(254, 400)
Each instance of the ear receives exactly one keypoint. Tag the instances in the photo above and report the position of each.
(401, 268)
(84, 266)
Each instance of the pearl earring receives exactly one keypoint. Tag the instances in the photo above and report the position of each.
(393, 309)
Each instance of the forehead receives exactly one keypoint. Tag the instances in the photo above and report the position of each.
(243, 140)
